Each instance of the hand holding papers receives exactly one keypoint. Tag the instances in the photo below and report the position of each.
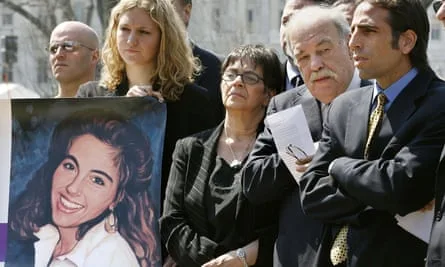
(418, 223)
(292, 138)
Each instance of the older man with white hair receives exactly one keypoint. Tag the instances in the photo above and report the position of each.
(318, 40)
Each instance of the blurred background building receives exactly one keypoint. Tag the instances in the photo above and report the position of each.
(217, 25)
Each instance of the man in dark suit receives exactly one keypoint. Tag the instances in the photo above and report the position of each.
(380, 144)
(210, 76)
(265, 177)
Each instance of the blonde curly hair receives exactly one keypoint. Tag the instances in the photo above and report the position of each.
(174, 69)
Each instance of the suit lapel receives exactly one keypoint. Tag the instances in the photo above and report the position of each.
(357, 121)
(403, 107)
(407, 102)
(202, 164)
(312, 112)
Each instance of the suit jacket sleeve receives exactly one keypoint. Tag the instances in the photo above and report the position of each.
(265, 178)
(399, 181)
(402, 183)
(183, 243)
(321, 196)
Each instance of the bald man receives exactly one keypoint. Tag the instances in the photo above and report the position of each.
(73, 55)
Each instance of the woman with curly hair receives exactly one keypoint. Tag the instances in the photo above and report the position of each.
(146, 53)
(89, 203)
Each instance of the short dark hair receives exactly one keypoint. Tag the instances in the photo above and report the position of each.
(408, 15)
(260, 56)
(186, 2)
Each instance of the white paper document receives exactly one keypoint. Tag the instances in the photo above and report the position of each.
(417, 223)
(291, 134)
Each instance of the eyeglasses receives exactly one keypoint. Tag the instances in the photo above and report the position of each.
(437, 4)
(296, 152)
(247, 77)
(67, 46)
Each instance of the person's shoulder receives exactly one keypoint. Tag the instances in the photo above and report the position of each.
(205, 54)
(196, 143)
(194, 90)
(91, 89)
(289, 98)
(202, 136)
(117, 248)
(352, 97)
(291, 94)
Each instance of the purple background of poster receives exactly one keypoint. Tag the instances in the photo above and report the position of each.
(3, 227)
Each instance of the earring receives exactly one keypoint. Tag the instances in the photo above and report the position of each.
(111, 222)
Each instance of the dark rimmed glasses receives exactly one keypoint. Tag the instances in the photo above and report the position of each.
(437, 4)
(67, 46)
(247, 77)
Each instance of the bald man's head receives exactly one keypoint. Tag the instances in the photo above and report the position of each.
(73, 54)
(80, 31)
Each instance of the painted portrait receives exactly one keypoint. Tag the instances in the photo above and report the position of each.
(85, 182)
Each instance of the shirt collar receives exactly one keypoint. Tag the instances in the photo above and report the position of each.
(291, 70)
(394, 89)
(49, 237)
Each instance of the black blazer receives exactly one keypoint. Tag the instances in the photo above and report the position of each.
(184, 228)
(300, 238)
(210, 77)
(436, 248)
(398, 177)
(184, 117)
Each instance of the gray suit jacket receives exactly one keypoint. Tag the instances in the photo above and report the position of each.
(266, 178)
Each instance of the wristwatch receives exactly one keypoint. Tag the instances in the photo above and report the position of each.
(241, 254)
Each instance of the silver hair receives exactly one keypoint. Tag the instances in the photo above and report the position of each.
(316, 14)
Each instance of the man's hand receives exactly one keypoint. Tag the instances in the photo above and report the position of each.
(428, 206)
(301, 165)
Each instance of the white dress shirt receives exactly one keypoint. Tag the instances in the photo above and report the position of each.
(96, 248)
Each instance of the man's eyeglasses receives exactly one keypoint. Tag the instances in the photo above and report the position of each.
(67, 46)
(437, 4)
(247, 77)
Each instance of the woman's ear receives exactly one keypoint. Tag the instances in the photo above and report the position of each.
(117, 200)
(269, 94)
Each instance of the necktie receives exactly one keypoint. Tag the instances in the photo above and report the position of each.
(296, 81)
(339, 250)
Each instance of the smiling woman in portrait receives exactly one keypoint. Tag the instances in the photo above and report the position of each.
(89, 203)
